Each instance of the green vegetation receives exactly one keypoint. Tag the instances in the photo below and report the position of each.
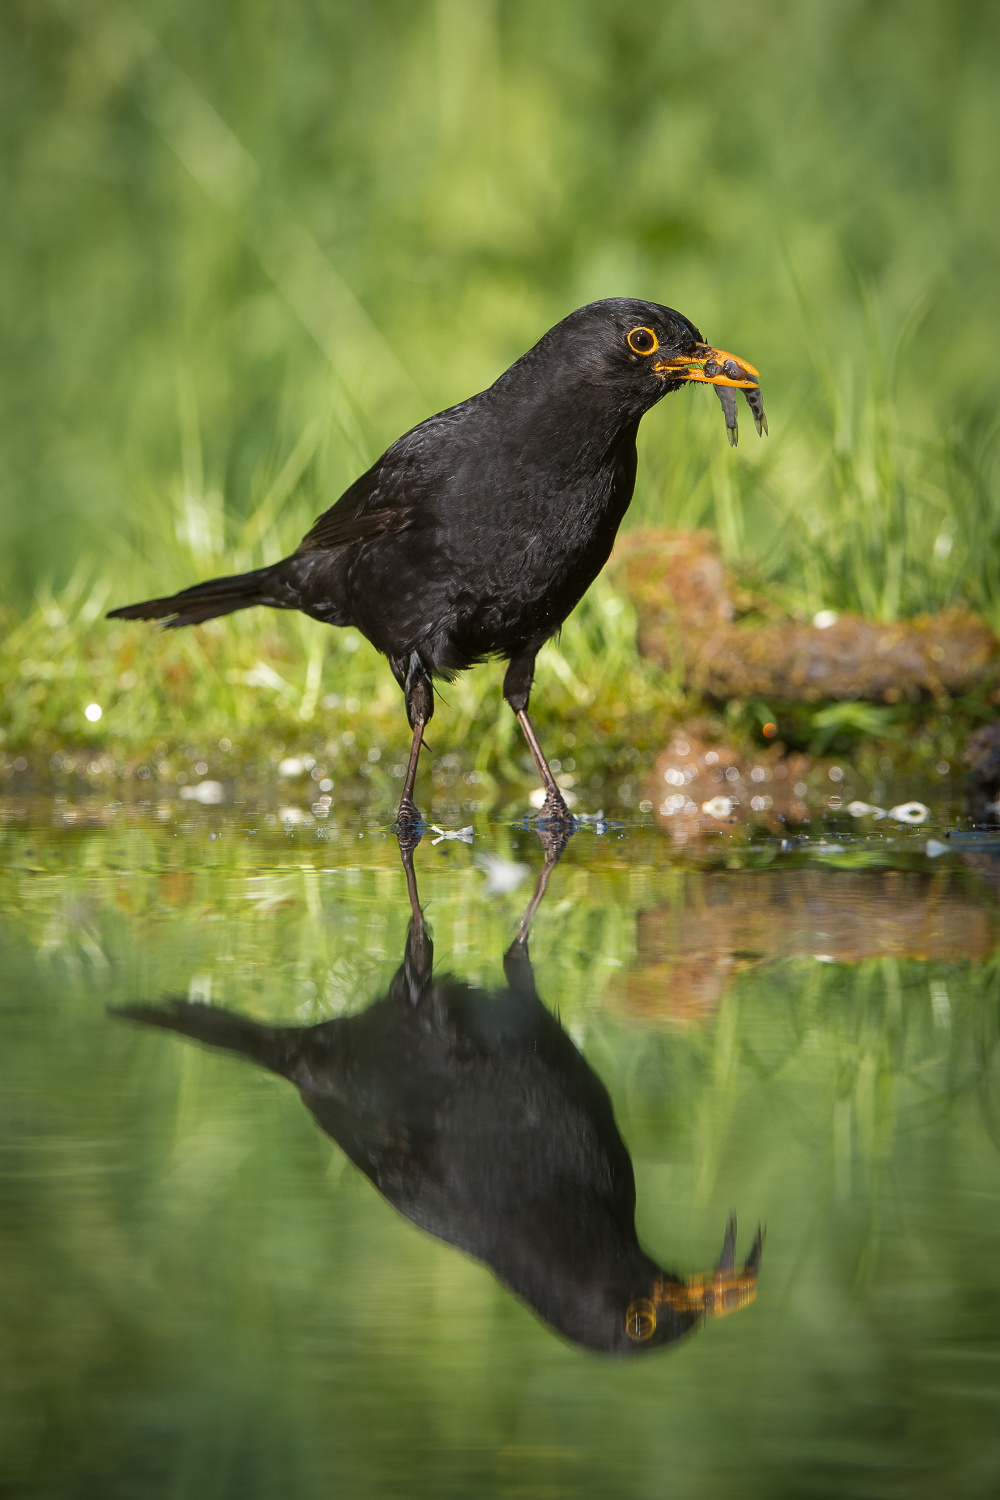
(246, 245)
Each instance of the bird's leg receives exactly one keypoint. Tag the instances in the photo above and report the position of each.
(554, 841)
(407, 817)
(413, 977)
(406, 852)
(517, 691)
(516, 961)
(554, 809)
(419, 708)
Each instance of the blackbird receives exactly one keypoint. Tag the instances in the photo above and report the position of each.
(473, 1114)
(476, 533)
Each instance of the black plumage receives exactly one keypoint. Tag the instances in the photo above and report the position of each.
(476, 533)
(475, 1116)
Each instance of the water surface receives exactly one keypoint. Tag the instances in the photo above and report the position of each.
(201, 1296)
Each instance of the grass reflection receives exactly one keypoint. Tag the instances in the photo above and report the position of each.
(200, 1297)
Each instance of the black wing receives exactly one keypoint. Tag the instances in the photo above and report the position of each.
(367, 510)
(398, 491)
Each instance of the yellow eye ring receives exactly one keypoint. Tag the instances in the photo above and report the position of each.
(643, 341)
(640, 1320)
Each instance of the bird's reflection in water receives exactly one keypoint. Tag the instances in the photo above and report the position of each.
(474, 1115)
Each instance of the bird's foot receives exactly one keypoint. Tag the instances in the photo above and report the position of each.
(409, 825)
(555, 814)
(554, 837)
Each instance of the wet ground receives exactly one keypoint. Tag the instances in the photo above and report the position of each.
(201, 1295)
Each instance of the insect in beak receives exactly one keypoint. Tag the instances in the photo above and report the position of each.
(727, 373)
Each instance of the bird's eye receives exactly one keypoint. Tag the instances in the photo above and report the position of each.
(642, 340)
(640, 1318)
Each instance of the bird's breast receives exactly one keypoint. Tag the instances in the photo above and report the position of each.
(523, 567)
(506, 545)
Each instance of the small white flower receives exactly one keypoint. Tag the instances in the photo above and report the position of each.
(825, 618)
(717, 807)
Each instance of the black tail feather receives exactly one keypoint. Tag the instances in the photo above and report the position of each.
(271, 1046)
(206, 601)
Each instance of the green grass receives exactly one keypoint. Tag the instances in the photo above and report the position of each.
(242, 694)
(247, 246)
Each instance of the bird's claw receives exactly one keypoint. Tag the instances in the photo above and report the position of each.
(555, 813)
(554, 837)
(409, 825)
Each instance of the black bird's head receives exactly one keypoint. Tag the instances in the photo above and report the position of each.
(669, 1307)
(639, 351)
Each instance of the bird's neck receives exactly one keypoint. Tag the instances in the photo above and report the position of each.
(582, 424)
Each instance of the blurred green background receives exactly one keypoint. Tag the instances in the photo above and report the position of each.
(241, 232)
(247, 244)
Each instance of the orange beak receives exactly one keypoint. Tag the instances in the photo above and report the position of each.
(724, 1290)
(713, 366)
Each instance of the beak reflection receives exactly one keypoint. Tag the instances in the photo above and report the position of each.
(714, 1295)
(473, 1113)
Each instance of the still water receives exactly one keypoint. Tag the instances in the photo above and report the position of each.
(202, 1293)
